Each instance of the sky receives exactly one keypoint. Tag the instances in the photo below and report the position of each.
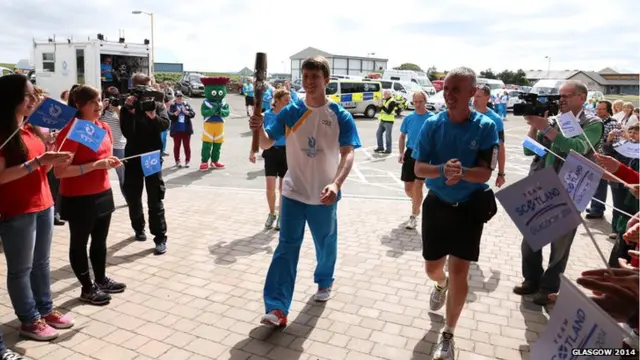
(224, 35)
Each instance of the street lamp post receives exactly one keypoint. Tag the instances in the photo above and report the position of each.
(153, 40)
(548, 65)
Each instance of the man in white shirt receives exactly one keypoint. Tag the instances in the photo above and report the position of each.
(320, 140)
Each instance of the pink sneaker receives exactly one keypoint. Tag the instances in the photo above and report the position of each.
(39, 331)
(58, 320)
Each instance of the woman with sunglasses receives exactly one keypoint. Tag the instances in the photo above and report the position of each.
(26, 213)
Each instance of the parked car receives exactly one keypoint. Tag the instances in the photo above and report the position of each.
(436, 102)
(191, 85)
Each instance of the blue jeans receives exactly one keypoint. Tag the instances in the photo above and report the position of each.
(119, 153)
(27, 248)
(164, 140)
(598, 208)
(281, 278)
(384, 127)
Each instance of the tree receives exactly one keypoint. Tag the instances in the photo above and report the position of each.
(520, 78)
(515, 78)
(408, 66)
(432, 73)
(488, 74)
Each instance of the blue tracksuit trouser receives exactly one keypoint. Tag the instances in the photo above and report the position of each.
(281, 277)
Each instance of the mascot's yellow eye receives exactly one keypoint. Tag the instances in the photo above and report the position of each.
(220, 92)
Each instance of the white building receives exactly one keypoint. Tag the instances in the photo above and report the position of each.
(340, 64)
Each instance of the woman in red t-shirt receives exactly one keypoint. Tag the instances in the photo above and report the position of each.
(26, 212)
(86, 199)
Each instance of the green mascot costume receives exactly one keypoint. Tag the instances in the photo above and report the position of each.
(214, 109)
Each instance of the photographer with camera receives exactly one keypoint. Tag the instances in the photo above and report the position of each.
(572, 95)
(142, 121)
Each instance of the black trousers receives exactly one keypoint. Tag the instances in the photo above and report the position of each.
(134, 182)
(81, 229)
(54, 187)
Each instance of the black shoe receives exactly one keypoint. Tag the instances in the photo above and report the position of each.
(526, 288)
(7, 354)
(95, 296)
(593, 215)
(111, 287)
(378, 150)
(141, 236)
(56, 222)
(387, 151)
(542, 298)
(161, 248)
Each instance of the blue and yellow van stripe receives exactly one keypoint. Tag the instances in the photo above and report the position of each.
(357, 97)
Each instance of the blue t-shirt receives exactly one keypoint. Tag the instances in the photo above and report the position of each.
(440, 140)
(267, 98)
(496, 119)
(411, 126)
(294, 95)
(108, 76)
(248, 90)
(269, 121)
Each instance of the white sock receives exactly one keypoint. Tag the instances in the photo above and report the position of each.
(443, 284)
(449, 329)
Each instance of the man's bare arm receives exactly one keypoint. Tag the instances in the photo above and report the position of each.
(347, 156)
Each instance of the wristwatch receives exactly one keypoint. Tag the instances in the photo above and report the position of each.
(501, 174)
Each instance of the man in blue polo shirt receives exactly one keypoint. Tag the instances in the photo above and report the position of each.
(409, 132)
(456, 152)
(480, 102)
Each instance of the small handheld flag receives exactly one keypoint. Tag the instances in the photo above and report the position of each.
(87, 133)
(534, 146)
(52, 114)
(151, 163)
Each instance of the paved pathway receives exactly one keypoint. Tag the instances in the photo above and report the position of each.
(203, 299)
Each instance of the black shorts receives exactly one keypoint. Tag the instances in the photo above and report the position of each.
(275, 161)
(248, 100)
(449, 229)
(408, 174)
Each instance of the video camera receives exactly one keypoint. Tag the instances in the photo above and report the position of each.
(146, 97)
(116, 100)
(534, 107)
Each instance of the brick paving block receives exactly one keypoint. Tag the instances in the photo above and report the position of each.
(203, 299)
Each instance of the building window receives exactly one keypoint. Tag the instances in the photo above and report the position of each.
(80, 66)
(48, 62)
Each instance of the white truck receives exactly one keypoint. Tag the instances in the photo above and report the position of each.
(60, 65)
(417, 77)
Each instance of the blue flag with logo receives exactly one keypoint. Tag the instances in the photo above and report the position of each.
(52, 114)
(151, 163)
(87, 133)
(534, 146)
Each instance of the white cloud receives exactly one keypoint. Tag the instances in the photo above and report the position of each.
(224, 35)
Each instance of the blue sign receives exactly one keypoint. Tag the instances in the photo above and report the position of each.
(540, 207)
(87, 133)
(52, 114)
(151, 163)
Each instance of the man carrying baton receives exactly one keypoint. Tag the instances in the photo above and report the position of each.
(320, 140)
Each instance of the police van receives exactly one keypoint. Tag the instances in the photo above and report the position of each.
(357, 97)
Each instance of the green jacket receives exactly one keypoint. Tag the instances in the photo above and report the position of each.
(593, 129)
